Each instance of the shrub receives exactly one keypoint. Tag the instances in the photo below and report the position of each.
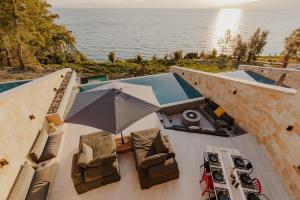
(166, 57)
(139, 59)
(154, 58)
(214, 53)
(202, 55)
(191, 56)
(112, 57)
(178, 55)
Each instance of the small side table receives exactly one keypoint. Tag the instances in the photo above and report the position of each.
(123, 148)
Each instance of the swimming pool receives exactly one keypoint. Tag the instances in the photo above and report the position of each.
(10, 85)
(251, 76)
(168, 87)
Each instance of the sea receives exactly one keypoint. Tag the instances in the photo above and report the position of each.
(148, 32)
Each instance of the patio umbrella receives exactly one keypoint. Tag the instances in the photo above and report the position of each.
(113, 107)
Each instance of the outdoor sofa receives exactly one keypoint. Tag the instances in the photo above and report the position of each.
(46, 146)
(96, 162)
(33, 184)
(35, 177)
(154, 157)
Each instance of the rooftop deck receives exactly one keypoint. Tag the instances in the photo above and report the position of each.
(189, 148)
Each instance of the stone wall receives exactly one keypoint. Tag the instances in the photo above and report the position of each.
(262, 110)
(17, 130)
(292, 76)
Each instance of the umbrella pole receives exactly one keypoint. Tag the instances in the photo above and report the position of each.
(122, 138)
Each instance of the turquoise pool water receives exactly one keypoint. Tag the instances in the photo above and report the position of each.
(251, 76)
(11, 85)
(98, 79)
(168, 88)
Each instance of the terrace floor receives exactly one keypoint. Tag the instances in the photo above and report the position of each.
(189, 148)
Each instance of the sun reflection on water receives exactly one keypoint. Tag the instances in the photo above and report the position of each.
(227, 18)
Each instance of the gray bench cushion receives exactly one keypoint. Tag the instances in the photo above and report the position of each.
(39, 145)
(40, 183)
(22, 183)
(51, 147)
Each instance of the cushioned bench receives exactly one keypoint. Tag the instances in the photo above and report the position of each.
(33, 184)
(45, 147)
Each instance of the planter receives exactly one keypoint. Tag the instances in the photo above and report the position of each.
(57, 109)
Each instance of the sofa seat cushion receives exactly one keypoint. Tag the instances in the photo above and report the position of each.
(94, 173)
(103, 145)
(39, 145)
(41, 181)
(163, 169)
(153, 160)
(51, 147)
(160, 143)
(22, 184)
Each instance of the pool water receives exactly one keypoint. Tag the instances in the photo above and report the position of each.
(10, 85)
(251, 76)
(168, 88)
(97, 79)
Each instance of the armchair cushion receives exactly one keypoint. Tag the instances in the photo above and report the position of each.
(39, 146)
(160, 143)
(163, 169)
(41, 182)
(102, 160)
(102, 149)
(85, 156)
(153, 160)
(94, 173)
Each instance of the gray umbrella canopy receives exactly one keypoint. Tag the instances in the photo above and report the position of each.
(110, 109)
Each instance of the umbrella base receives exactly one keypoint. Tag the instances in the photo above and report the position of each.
(123, 148)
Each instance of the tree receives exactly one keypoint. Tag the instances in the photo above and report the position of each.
(4, 48)
(154, 57)
(226, 44)
(112, 57)
(166, 57)
(202, 55)
(213, 54)
(30, 37)
(256, 44)
(16, 28)
(178, 54)
(291, 47)
(240, 48)
(139, 59)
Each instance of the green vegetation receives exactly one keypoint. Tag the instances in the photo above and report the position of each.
(112, 57)
(29, 38)
(178, 54)
(31, 44)
(139, 59)
(292, 47)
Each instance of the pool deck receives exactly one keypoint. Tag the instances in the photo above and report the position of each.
(189, 148)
